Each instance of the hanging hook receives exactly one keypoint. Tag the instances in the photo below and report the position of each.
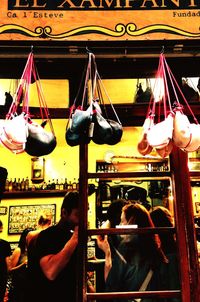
(88, 51)
(162, 49)
(31, 48)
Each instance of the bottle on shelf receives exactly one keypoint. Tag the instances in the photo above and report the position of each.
(77, 185)
(23, 184)
(70, 187)
(27, 184)
(53, 184)
(65, 184)
(57, 185)
(74, 183)
(98, 169)
(44, 185)
(61, 184)
(14, 185)
(10, 187)
(18, 186)
(7, 185)
(49, 185)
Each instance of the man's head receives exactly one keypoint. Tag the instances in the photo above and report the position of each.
(70, 208)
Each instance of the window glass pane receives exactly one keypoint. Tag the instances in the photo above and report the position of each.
(148, 194)
(55, 92)
(191, 88)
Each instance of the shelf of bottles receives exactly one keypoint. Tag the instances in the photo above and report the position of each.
(24, 187)
(133, 164)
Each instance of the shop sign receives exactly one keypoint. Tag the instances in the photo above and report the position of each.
(99, 19)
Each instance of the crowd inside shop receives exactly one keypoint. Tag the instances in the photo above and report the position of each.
(43, 265)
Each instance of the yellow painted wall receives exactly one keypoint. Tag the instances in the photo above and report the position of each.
(56, 92)
(62, 162)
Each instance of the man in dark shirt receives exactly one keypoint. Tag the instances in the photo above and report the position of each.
(54, 260)
(5, 252)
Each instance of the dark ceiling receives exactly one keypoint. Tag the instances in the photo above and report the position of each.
(123, 59)
(117, 59)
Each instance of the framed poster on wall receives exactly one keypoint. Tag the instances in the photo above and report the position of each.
(26, 216)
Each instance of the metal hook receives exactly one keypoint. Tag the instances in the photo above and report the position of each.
(162, 49)
(88, 51)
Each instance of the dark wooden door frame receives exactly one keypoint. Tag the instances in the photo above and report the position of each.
(185, 229)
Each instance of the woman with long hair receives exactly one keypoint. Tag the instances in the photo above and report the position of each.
(137, 255)
(162, 217)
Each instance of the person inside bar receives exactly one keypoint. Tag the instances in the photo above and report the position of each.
(113, 219)
(5, 248)
(56, 247)
(18, 271)
(162, 217)
(44, 221)
(138, 255)
(5, 264)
